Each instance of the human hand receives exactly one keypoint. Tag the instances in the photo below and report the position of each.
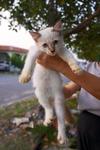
(53, 62)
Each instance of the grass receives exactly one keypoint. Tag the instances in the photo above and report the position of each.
(18, 109)
(23, 139)
(72, 104)
(20, 140)
(16, 142)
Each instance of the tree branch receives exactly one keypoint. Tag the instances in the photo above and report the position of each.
(82, 25)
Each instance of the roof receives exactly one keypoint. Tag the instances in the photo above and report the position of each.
(6, 48)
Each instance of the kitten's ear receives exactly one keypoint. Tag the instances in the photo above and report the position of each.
(58, 26)
(35, 35)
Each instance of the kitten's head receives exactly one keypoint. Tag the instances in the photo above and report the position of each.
(50, 39)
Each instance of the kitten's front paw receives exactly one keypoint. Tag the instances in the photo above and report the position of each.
(75, 68)
(62, 139)
(24, 77)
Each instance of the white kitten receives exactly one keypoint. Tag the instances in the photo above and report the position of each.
(48, 83)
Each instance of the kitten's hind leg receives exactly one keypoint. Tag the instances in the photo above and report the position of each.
(60, 112)
(49, 114)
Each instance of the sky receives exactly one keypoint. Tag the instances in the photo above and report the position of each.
(19, 39)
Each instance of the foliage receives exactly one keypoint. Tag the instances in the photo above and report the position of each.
(4, 57)
(72, 104)
(16, 60)
(36, 14)
(41, 130)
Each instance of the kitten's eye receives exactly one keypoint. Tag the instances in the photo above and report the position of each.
(55, 42)
(45, 45)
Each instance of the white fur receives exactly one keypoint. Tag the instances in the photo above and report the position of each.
(47, 83)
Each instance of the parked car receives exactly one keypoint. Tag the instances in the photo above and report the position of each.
(4, 66)
(14, 69)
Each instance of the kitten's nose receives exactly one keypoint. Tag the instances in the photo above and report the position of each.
(53, 51)
(52, 48)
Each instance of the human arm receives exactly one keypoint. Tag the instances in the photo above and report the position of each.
(70, 89)
(86, 80)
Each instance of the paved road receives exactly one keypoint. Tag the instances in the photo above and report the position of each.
(12, 91)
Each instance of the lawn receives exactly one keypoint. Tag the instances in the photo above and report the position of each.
(15, 138)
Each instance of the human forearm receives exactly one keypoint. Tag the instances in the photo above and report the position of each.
(70, 89)
(86, 80)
